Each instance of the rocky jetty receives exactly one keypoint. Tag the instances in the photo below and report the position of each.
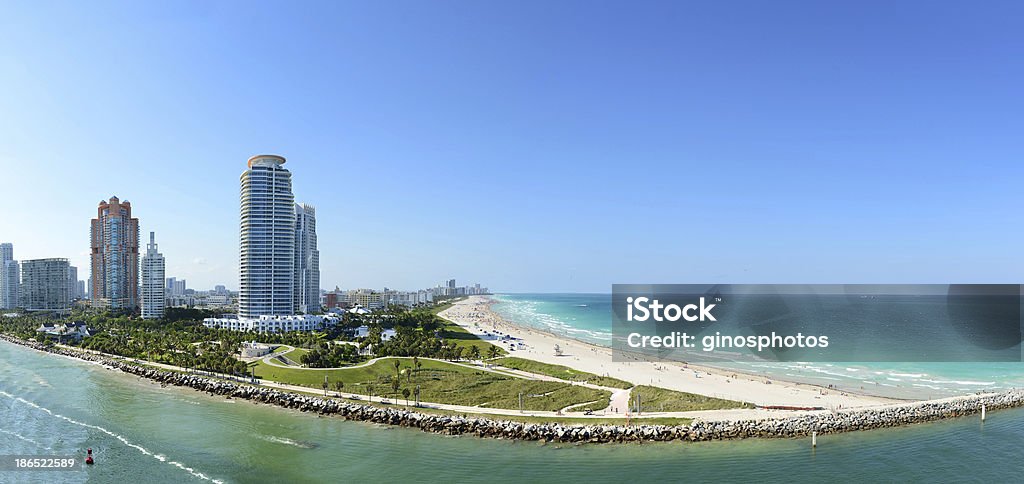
(822, 422)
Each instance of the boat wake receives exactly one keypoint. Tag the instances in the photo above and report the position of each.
(23, 438)
(284, 440)
(121, 438)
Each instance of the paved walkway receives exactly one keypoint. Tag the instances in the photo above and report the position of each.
(511, 413)
(619, 403)
(617, 398)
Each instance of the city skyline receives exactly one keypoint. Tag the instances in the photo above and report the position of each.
(482, 242)
(454, 141)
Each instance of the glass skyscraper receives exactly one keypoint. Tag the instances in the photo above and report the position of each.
(307, 261)
(267, 239)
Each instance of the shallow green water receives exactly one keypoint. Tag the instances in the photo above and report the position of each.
(54, 405)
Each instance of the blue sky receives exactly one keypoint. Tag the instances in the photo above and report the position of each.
(531, 146)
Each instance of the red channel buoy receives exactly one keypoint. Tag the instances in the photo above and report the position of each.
(88, 458)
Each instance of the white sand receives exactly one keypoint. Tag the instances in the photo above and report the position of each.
(475, 315)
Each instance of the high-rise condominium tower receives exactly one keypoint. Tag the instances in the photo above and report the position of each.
(115, 256)
(72, 282)
(307, 261)
(267, 239)
(153, 270)
(10, 277)
(45, 285)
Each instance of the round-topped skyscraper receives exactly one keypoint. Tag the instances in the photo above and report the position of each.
(267, 239)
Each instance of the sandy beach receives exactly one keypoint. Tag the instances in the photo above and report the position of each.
(475, 315)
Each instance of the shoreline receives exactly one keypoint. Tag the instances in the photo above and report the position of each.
(476, 315)
(892, 395)
(803, 425)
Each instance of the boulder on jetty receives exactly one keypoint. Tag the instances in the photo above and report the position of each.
(822, 422)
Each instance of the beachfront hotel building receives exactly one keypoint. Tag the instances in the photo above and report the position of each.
(44, 285)
(115, 256)
(153, 282)
(267, 239)
(10, 277)
(307, 261)
(366, 298)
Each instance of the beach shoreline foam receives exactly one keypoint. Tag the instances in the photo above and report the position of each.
(476, 315)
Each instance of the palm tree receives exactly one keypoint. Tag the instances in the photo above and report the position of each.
(492, 351)
(325, 385)
(397, 364)
(395, 383)
(405, 393)
(416, 363)
(474, 352)
(338, 385)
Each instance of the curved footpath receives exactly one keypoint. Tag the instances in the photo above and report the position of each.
(797, 426)
(619, 397)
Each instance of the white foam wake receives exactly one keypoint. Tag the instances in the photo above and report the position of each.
(121, 438)
(22, 437)
(287, 441)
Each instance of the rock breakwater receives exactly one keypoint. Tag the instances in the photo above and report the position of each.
(802, 425)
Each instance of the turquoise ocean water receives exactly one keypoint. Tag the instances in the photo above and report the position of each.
(142, 433)
(587, 317)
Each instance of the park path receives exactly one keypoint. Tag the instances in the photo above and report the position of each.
(737, 414)
(618, 400)
(472, 364)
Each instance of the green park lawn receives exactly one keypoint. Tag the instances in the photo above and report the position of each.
(296, 354)
(559, 371)
(453, 332)
(442, 382)
(654, 399)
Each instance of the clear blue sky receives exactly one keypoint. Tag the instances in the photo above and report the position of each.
(532, 145)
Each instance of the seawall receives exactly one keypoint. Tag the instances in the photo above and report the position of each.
(784, 427)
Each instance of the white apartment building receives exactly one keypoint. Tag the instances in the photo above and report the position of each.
(266, 239)
(10, 277)
(44, 285)
(273, 324)
(153, 282)
(366, 298)
(307, 261)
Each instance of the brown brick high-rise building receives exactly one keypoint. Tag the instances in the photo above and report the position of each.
(115, 256)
